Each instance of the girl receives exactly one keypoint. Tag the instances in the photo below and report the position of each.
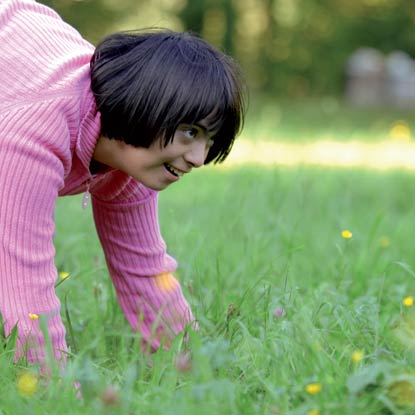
(117, 123)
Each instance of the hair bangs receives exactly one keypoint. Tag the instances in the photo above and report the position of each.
(213, 95)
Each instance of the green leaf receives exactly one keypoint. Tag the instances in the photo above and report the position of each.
(406, 268)
(369, 376)
(11, 340)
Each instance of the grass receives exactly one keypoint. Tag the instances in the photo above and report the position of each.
(283, 301)
(320, 119)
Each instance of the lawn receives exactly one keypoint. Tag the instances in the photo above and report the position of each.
(297, 317)
(323, 119)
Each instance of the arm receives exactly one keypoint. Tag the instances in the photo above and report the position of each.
(141, 270)
(31, 172)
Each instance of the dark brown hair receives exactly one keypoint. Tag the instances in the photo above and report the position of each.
(148, 82)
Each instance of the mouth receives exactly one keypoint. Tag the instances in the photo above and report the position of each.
(173, 170)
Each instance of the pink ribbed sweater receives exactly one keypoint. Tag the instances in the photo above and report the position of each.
(48, 130)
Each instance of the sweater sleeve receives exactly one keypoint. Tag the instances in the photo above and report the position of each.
(141, 270)
(31, 172)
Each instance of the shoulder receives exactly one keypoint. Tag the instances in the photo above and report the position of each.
(38, 21)
(38, 50)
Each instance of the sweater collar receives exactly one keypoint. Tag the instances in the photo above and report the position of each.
(89, 131)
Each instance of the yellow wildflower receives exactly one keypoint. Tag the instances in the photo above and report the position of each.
(27, 384)
(357, 356)
(33, 316)
(384, 242)
(346, 234)
(408, 301)
(400, 131)
(313, 388)
(63, 275)
(313, 412)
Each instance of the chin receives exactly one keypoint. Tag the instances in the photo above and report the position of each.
(154, 186)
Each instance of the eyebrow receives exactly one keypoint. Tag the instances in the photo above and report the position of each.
(201, 126)
(205, 129)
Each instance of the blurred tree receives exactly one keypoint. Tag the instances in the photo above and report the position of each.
(91, 17)
(193, 15)
(287, 47)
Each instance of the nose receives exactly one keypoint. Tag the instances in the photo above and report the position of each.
(197, 153)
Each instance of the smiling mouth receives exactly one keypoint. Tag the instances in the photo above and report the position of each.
(173, 171)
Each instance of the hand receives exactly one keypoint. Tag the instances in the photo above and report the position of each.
(163, 311)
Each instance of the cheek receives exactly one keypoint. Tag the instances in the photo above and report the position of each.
(175, 149)
(140, 157)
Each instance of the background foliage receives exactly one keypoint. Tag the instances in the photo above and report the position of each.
(288, 47)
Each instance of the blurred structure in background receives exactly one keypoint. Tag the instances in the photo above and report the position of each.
(378, 80)
(400, 80)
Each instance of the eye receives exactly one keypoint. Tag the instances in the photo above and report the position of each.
(190, 132)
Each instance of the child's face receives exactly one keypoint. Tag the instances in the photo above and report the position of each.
(157, 166)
